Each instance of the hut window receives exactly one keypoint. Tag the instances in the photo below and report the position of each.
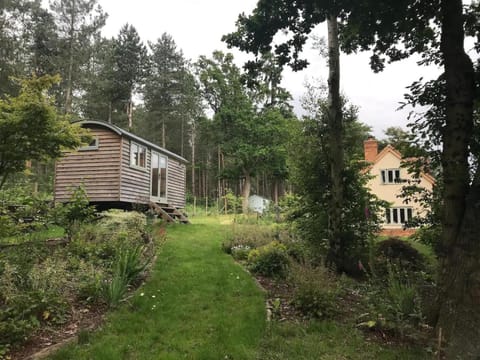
(138, 155)
(92, 144)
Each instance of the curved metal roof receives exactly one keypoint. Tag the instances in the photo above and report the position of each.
(129, 135)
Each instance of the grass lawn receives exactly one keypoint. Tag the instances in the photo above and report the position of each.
(328, 340)
(199, 304)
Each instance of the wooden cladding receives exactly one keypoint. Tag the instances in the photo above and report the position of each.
(109, 174)
(97, 169)
(176, 183)
(134, 181)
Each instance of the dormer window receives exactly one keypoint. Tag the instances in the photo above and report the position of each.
(391, 176)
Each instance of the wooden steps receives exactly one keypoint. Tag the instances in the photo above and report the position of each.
(169, 213)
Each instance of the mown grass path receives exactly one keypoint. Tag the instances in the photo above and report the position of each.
(197, 304)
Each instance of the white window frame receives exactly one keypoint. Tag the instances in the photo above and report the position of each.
(93, 145)
(385, 176)
(396, 212)
(135, 160)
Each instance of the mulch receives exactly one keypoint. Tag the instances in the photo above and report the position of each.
(81, 318)
(279, 299)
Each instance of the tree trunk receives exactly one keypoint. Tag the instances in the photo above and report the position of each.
(181, 137)
(109, 112)
(192, 137)
(163, 134)
(68, 91)
(336, 255)
(275, 191)
(246, 190)
(459, 277)
(130, 114)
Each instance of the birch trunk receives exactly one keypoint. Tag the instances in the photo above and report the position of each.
(246, 190)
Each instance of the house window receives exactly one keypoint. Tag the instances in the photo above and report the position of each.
(92, 144)
(391, 176)
(398, 215)
(138, 155)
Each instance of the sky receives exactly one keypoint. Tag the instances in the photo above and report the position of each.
(197, 28)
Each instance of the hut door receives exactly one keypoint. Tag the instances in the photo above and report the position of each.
(159, 178)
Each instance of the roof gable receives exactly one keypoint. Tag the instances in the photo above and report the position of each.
(389, 149)
(134, 137)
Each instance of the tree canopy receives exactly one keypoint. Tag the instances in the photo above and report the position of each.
(31, 129)
(393, 31)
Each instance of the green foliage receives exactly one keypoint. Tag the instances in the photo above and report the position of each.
(128, 265)
(251, 137)
(240, 252)
(172, 100)
(269, 260)
(249, 236)
(35, 290)
(31, 295)
(310, 173)
(394, 303)
(7, 226)
(114, 291)
(232, 202)
(77, 25)
(75, 212)
(402, 141)
(316, 291)
(398, 252)
(31, 119)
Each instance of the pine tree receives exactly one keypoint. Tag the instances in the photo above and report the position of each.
(129, 60)
(170, 94)
(77, 21)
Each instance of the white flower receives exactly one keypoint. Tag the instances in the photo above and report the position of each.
(153, 296)
(141, 294)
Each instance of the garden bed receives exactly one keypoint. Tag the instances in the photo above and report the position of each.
(384, 306)
(51, 290)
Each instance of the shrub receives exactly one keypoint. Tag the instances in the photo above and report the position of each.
(394, 304)
(316, 291)
(269, 260)
(77, 210)
(89, 281)
(247, 236)
(7, 226)
(240, 252)
(101, 241)
(100, 262)
(398, 252)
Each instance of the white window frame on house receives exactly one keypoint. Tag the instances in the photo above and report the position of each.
(391, 176)
(398, 215)
(135, 156)
(93, 145)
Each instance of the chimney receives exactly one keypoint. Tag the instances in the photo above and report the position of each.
(370, 147)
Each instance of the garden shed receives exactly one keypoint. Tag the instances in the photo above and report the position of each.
(118, 168)
(258, 204)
